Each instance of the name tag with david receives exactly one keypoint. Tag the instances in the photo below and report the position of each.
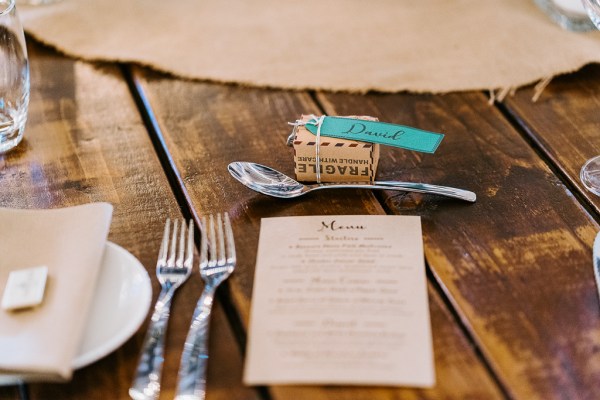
(376, 132)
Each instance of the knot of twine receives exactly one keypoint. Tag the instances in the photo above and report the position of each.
(318, 122)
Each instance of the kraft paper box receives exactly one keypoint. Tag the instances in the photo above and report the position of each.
(341, 160)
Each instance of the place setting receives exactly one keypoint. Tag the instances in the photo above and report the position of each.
(77, 297)
(373, 286)
(350, 286)
(266, 202)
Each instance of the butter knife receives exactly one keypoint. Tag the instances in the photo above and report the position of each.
(597, 262)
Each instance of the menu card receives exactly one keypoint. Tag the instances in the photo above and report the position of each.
(340, 300)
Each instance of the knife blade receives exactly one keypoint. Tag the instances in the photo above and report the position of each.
(597, 262)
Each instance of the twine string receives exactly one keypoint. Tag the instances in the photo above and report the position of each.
(318, 122)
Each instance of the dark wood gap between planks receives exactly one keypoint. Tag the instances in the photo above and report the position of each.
(452, 308)
(19, 391)
(185, 204)
(439, 289)
(168, 165)
(523, 129)
(125, 157)
(435, 281)
(23, 391)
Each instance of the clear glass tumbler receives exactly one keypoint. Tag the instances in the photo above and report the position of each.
(590, 172)
(37, 2)
(569, 14)
(14, 77)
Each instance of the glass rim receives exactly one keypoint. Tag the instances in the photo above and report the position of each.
(10, 4)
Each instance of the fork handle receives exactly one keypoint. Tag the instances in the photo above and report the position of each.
(191, 381)
(146, 382)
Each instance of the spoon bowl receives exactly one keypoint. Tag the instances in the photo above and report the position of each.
(271, 182)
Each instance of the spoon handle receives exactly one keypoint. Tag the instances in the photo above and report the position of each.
(403, 186)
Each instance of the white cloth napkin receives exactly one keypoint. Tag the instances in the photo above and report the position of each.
(41, 342)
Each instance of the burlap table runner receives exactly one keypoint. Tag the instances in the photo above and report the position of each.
(350, 45)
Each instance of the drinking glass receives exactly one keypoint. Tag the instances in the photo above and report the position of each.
(590, 172)
(569, 14)
(14, 77)
(36, 2)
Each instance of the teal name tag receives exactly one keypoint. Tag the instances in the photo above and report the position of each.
(378, 132)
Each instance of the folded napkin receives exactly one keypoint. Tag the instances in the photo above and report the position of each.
(41, 342)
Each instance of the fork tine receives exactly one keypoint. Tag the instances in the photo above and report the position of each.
(212, 240)
(229, 239)
(172, 248)
(203, 243)
(190, 245)
(220, 241)
(171, 275)
(181, 246)
(162, 253)
(191, 380)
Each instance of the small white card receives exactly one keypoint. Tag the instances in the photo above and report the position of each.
(340, 300)
(24, 288)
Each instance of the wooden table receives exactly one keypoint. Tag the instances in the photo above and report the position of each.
(514, 307)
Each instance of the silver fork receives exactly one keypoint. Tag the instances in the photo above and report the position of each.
(171, 273)
(191, 382)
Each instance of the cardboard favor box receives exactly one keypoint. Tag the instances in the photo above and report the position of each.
(341, 160)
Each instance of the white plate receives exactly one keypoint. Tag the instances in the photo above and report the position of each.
(120, 305)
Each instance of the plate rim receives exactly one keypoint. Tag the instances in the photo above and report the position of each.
(128, 330)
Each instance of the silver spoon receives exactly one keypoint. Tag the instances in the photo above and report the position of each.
(268, 181)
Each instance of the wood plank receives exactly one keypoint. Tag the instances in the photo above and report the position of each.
(9, 393)
(517, 264)
(85, 142)
(564, 123)
(207, 126)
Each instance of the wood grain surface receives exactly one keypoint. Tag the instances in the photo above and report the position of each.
(9, 393)
(564, 123)
(85, 142)
(515, 267)
(517, 264)
(204, 127)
